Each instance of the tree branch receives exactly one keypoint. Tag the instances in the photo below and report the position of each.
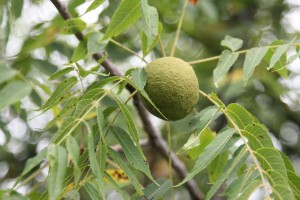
(153, 132)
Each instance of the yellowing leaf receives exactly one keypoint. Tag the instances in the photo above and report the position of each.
(118, 175)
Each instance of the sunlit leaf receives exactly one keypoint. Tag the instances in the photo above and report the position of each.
(139, 77)
(94, 5)
(126, 15)
(226, 61)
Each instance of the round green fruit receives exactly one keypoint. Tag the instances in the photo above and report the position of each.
(172, 86)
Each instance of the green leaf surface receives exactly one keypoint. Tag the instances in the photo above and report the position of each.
(138, 187)
(209, 154)
(128, 118)
(132, 153)
(278, 53)
(64, 129)
(94, 5)
(240, 115)
(139, 77)
(215, 168)
(13, 92)
(6, 74)
(59, 93)
(16, 8)
(249, 189)
(58, 159)
(233, 165)
(201, 122)
(73, 26)
(74, 153)
(150, 21)
(94, 43)
(125, 16)
(92, 191)
(226, 61)
(80, 52)
(34, 161)
(253, 58)
(232, 43)
(155, 192)
(60, 73)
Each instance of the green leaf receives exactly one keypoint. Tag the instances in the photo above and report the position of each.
(215, 97)
(232, 43)
(80, 52)
(13, 92)
(240, 115)
(74, 153)
(94, 43)
(155, 192)
(86, 100)
(201, 122)
(92, 191)
(132, 153)
(6, 74)
(73, 26)
(234, 164)
(209, 154)
(278, 53)
(94, 5)
(128, 119)
(64, 130)
(16, 8)
(138, 187)
(226, 61)
(150, 21)
(253, 58)
(60, 73)
(239, 184)
(92, 156)
(33, 162)
(257, 136)
(139, 77)
(58, 158)
(59, 93)
(249, 189)
(215, 168)
(126, 15)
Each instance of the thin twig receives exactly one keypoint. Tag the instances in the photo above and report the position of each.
(127, 49)
(153, 132)
(161, 46)
(179, 27)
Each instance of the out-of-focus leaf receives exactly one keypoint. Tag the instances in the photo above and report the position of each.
(232, 43)
(65, 128)
(58, 159)
(209, 154)
(59, 93)
(226, 61)
(80, 52)
(13, 92)
(33, 162)
(155, 192)
(253, 58)
(6, 74)
(126, 15)
(74, 152)
(16, 8)
(94, 43)
(92, 191)
(215, 169)
(73, 26)
(60, 73)
(150, 21)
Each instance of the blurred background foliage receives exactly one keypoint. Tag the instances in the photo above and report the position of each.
(32, 49)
